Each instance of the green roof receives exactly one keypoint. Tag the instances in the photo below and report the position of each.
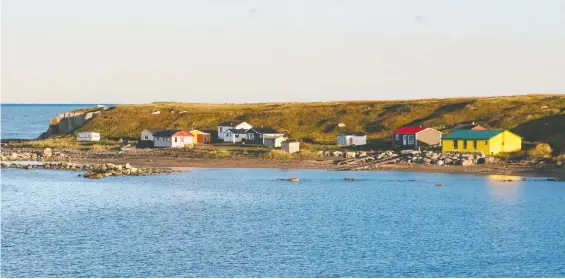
(472, 134)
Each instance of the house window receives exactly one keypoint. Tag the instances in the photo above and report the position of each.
(465, 144)
(237, 136)
(146, 137)
(251, 136)
(475, 144)
(486, 142)
(455, 144)
(176, 139)
(221, 129)
(410, 139)
(168, 139)
(397, 137)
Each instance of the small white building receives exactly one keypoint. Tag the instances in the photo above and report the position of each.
(231, 124)
(88, 136)
(348, 139)
(290, 146)
(235, 136)
(273, 141)
(173, 139)
(147, 134)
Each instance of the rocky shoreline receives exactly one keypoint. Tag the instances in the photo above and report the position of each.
(94, 171)
(151, 159)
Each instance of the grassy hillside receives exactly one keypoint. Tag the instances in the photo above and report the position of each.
(534, 117)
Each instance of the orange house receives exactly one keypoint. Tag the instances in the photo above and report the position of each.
(201, 137)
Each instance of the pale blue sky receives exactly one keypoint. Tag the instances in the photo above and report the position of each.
(136, 51)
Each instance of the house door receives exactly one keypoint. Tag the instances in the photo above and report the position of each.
(350, 141)
(404, 140)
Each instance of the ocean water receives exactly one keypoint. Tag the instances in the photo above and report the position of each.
(28, 121)
(246, 223)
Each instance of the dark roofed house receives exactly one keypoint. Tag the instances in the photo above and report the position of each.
(414, 137)
(147, 134)
(256, 135)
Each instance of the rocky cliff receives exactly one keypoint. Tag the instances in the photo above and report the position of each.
(68, 122)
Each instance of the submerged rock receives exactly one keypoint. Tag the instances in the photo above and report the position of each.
(293, 179)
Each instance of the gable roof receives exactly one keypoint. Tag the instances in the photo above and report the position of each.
(153, 131)
(473, 134)
(230, 123)
(237, 131)
(358, 134)
(265, 130)
(409, 130)
(165, 133)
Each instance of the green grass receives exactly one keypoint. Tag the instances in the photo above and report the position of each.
(534, 117)
(68, 142)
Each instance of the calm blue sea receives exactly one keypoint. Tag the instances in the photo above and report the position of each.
(246, 223)
(28, 121)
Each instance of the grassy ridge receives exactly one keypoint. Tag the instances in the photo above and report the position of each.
(534, 117)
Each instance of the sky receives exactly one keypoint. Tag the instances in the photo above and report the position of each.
(248, 51)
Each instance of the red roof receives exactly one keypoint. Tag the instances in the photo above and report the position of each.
(409, 130)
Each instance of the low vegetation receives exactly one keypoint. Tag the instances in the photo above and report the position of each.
(68, 142)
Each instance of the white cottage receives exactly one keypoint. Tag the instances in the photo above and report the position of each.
(88, 136)
(235, 136)
(173, 139)
(231, 124)
(147, 134)
(348, 139)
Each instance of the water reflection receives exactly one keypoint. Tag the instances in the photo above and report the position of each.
(504, 188)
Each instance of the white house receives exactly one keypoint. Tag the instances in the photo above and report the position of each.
(273, 141)
(347, 139)
(173, 138)
(235, 135)
(88, 136)
(231, 124)
(147, 134)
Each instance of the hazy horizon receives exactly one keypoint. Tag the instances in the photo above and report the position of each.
(257, 51)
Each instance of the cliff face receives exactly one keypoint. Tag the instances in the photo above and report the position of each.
(67, 123)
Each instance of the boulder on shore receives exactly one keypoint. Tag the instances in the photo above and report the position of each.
(47, 152)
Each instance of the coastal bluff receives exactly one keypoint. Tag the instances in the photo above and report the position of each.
(68, 122)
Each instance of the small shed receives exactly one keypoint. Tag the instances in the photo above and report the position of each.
(348, 139)
(88, 136)
(273, 141)
(290, 146)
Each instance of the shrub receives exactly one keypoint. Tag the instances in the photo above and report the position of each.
(277, 154)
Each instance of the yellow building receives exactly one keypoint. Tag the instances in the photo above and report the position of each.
(489, 142)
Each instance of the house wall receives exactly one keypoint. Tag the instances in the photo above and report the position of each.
(162, 142)
(202, 138)
(256, 138)
(234, 138)
(397, 142)
(428, 137)
(146, 135)
(273, 142)
(483, 146)
(290, 147)
(511, 142)
(342, 140)
(222, 130)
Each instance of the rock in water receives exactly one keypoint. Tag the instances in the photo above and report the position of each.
(293, 179)
(47, 153)
(127, 166)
